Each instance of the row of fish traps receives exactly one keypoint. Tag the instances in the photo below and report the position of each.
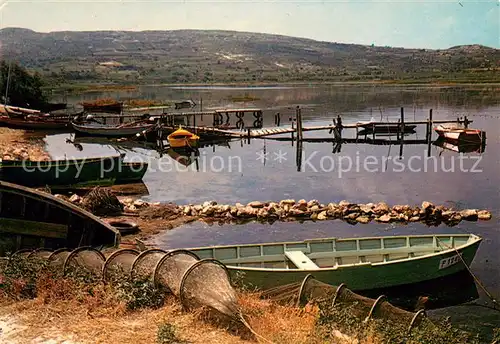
(196, 283)
(361, 307)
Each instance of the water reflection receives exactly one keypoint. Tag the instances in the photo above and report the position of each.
(478, 147)
(443, 292)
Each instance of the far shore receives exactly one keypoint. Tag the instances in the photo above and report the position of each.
(102, 87)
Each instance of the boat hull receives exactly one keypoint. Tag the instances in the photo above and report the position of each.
(109, 131)
(131, 172)
(461, 136)
(385, 129)
(31, 219)
(362, 277)
(100, 171)
(16, 123)
(355, 275)
(183, 143)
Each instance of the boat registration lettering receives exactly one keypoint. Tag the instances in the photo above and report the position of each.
(447, 262)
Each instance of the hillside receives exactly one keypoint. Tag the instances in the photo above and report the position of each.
(197, 56)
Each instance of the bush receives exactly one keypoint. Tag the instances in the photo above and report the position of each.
(140, 294)
(166, 334)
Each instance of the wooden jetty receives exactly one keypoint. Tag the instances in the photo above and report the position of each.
(297, 129)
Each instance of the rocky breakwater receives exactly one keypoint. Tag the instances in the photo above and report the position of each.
(291, 210)
(286, 210)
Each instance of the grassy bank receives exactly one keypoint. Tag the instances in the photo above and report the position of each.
(37, 303)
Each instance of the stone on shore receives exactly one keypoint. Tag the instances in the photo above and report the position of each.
(322, 216)
(75, 199)
(139, 203)
(484, 215)
(256, 204)
(381, 208)
(384, 218)
(301, 205)
(469, 214)
(344, 203)
(363, 219)
(427, 205)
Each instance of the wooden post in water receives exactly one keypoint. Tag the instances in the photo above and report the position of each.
(402, 132)
(299, 123)
(429, 133)
(466, 122)
(201, 104)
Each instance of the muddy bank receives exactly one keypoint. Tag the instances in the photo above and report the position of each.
(15, 144)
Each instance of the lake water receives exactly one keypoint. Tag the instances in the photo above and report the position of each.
(358, 173)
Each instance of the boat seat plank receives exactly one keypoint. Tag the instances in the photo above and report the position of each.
(34, 228)
(300, 260)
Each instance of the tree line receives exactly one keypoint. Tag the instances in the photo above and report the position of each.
(18, 87)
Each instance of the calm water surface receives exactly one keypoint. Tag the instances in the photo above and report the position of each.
(233, 173)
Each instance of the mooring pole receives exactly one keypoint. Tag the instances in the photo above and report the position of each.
(299, 124)
(298, 156)
(429, 133)
(466, 122)
(402, 125)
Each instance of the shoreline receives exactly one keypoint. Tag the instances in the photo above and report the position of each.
(102, 87)
(15, 144)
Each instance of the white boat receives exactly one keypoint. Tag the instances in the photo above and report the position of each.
(108, 130)
(459, 134)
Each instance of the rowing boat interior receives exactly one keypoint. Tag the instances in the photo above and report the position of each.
(332, 252)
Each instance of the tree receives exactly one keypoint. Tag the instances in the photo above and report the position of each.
(24, 89)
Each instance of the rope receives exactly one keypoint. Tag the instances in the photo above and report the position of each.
(495, 303)
(247, 325)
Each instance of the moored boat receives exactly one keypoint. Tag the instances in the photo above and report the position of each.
(371, 127)
(360, 263)
(183, 138)
(60, 172)
(34, 122)
(462, 135)
(130, 172)
(123, 130)
(30, 219)
(73, 172)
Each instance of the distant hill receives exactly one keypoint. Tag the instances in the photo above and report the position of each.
(201, 56)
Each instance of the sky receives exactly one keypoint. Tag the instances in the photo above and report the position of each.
(410, 24)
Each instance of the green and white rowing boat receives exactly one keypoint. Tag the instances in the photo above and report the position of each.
(359, 263)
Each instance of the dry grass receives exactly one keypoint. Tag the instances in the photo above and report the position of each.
(281, 324)
(67, 310)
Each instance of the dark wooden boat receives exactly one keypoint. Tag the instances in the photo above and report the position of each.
(103, 106)
(389, 128)
(31, 219)
(35, 122)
